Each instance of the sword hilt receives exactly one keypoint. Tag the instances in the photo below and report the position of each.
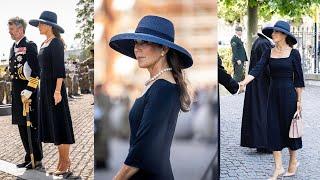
(26, 106)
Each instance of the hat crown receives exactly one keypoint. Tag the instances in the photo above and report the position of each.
(156, 26)
(283, 25)
(49, 16)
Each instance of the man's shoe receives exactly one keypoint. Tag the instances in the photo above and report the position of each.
(22, 165)
(37, 164)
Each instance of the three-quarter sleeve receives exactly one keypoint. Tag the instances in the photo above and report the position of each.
(33, 63)
(261, 65)
(148, 151)
(57, 54)
(298, 73)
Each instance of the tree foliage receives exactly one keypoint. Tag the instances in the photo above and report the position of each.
(234, 10)
(85, 20)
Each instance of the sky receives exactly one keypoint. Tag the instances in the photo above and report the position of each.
(31, 9)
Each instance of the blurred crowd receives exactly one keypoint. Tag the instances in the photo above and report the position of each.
(79, 76)
(111, 119)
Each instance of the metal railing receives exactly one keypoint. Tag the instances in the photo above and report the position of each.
(308, 46)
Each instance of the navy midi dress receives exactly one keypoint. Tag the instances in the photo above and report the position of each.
(285, 75)
(55, 125)
(153, 120)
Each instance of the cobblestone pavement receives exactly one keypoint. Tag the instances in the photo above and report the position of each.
(244, 163)
(11, 149)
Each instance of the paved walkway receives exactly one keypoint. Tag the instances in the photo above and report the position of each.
(244, 163)
(11, 149)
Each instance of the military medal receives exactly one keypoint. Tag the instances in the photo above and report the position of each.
(19, 58)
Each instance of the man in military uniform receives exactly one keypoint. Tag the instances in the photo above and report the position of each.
(2, 88)
(84, 79)
(90, 63)
(75, 80)
(239, 55)
(24, 70)
(68, 81)
(7, 89)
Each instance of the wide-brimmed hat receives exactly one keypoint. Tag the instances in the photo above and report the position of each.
(49, 18)
(153, 29)
(281, 26)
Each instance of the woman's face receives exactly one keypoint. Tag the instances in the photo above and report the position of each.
(278, 36)
(44, 28)
(147, 53)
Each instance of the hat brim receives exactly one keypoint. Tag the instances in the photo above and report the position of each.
(35, 23)
(124, 44)
(269, 30)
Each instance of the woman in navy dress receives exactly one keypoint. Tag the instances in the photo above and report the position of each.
(55, 125)
(284, 97)
(153, 116)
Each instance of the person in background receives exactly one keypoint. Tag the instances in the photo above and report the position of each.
(254, 118)
(239, 55)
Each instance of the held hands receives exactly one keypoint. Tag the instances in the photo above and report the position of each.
(57, 97)
(238, 62)
(242, 87)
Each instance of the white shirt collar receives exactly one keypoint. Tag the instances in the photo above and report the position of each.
(238, 36)
(17, 42)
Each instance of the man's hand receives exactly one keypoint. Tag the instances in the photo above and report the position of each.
(26, 94)
(239, 62)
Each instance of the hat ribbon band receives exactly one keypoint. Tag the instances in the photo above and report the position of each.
(153, 32)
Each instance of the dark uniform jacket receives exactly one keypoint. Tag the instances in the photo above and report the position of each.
(23, 62)
(238, 51)
(225, 79)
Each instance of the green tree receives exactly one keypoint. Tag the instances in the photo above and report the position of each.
(234, 11)
(85, 20)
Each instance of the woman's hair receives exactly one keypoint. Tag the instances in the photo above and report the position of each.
(179, 77)
(56, 33)
(289, 41)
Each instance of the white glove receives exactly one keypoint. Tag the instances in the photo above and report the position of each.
(26, 93)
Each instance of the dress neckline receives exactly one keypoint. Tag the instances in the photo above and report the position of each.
(148, 88)
(281, 57)
(46, 44)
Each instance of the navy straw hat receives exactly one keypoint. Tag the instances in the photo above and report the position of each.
(49, 18)
(281, 26)
(153, 29)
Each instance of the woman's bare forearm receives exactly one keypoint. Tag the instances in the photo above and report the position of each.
(299, 92)
(59, 84)
(125, 172)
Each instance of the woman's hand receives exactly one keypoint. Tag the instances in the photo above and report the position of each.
(57, 97)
